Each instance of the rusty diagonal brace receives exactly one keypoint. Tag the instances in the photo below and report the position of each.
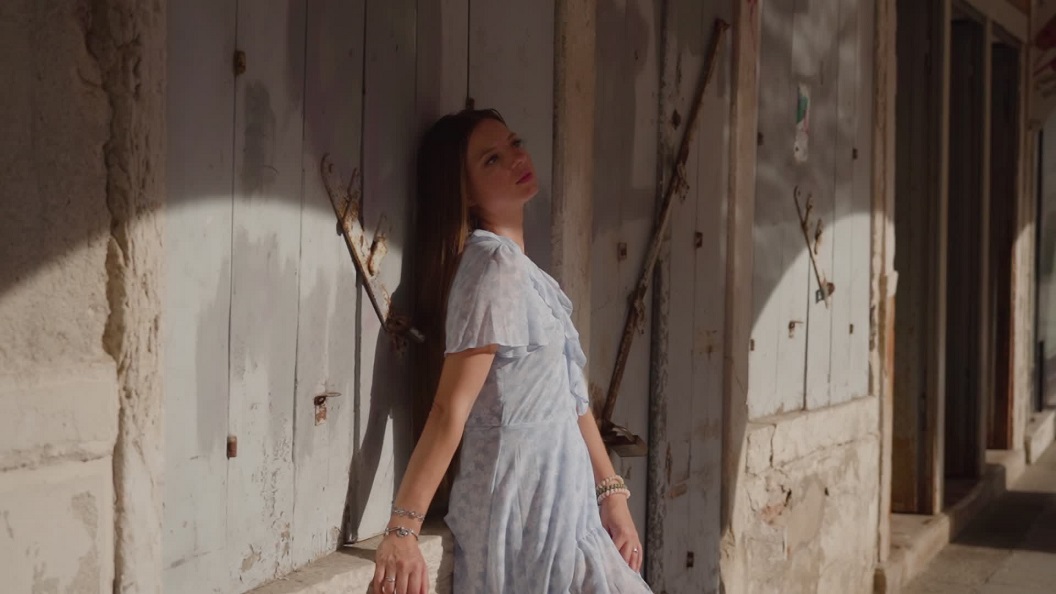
(825, 288)
(676, 185)
(346, 208)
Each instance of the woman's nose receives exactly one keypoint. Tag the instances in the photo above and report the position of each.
(520, 157)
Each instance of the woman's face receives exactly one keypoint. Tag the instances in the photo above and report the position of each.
(499, 172)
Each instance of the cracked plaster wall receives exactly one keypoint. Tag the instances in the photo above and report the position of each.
(809, 501)
(81, 133)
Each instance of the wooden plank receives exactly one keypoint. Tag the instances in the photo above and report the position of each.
(390, 128)
(681, 60)
(708, 248)
(265, 247)
(858, 223)
(624, 205)
(197, 289)
(848, 221)
(880, 49)
(816, 59)
(781, 265)
(511, 68)
(443, 58)
(328, 320)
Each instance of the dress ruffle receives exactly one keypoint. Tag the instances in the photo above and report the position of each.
(488, 304)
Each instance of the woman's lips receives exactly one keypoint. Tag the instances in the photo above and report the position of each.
(525, 178)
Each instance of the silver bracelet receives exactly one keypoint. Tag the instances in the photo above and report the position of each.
(401, 532)
(406, 513)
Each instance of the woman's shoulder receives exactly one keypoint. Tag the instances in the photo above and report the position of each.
(484, 248)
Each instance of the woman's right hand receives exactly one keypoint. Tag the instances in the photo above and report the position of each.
(400, 558)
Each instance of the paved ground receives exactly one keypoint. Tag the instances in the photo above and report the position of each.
(1010, 549)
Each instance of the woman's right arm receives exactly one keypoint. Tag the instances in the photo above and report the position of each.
(461, 378)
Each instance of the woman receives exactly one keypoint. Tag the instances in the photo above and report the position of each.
(536, 505)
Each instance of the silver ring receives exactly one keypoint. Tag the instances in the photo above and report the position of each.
(392, 580)
(635, 550)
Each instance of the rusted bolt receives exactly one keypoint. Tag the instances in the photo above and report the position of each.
(759, 139)
(240, 62)
(751, 344)
(792, 328)
(621, 251)
(852, 329)
(854, 153)
(676, 119)
(232, 446)
(690, 559)
(322, 398)
(698, 239)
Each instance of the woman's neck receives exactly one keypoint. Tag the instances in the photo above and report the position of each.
(513, 230)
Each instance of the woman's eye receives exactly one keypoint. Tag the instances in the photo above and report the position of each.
(492, 160)
(518, 142)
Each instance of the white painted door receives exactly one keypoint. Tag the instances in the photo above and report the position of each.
(264, 311)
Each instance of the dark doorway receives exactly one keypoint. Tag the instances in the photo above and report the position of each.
(1004, 180)
(964, 451)
(920, 221)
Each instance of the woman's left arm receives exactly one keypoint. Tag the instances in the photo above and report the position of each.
(615, 514)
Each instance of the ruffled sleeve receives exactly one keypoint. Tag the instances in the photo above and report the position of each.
(489, 303)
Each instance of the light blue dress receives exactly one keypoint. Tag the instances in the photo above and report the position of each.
(522, 508)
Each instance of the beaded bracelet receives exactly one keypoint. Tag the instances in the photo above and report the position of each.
(610, 487)
(612, 479)
(406, 513)
(401, 532)
(617, 491)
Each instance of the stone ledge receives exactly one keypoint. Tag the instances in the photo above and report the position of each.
(1041, 432)
(917, 539)
(351, 569)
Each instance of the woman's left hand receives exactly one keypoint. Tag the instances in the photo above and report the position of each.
(616, 518)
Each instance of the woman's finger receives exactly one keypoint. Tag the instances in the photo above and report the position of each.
(402, 580)
(625, 551)
(379, 578)
(414, 582)
(425, 580)
(637, 557)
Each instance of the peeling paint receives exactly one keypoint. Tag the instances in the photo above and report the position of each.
(250, 560)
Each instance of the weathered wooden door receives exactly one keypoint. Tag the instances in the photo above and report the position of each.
(264, 312)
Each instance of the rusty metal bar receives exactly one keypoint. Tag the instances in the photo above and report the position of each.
(346, 208)
(677, 184)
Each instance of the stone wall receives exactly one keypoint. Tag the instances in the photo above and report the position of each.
(58, 386)
(81, 154)
(809, 501)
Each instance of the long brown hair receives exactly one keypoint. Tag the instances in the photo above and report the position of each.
(444, 221)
